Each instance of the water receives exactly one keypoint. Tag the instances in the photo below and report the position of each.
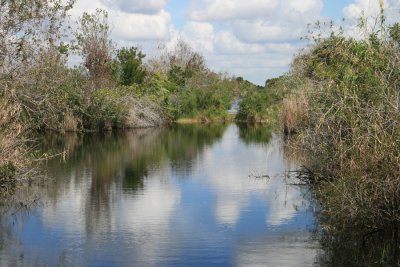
(185, 196)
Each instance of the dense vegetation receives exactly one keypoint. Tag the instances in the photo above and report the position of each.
(352, 127)
(349, 132)
(114, 87)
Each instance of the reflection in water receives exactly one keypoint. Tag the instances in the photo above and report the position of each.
(254, 133)
(179, 196)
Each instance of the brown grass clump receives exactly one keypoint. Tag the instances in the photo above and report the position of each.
(294, 112)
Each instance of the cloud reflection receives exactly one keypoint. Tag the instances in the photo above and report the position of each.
(233, 187)
(290, 249)
(146, 219)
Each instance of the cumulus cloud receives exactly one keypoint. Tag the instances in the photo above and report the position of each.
(130, 25)
(232, 9)
(371, 10)
(214, 10)
(200, 35)
(264, 32)
(136, 6)
(135, 27)
(260, 21)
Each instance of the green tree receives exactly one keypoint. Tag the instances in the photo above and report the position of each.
(132, 70)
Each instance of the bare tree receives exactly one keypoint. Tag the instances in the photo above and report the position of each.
(95, 46)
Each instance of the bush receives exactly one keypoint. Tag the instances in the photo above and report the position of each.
(254, 106)
(107, 110)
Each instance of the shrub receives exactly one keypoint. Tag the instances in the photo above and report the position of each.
(107, 109)
(254, 106)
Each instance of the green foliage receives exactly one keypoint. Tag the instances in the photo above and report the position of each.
(132, 70)
(205, 94)
(254, 105)
(7, 170)
(107, 109)
(178, 76)
(394, 32)
(261, 104)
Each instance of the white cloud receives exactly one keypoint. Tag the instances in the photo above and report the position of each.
(132, 27)
(233, 9)
(261, 21)
(367, 7)
(250, 36)
(227, 43)
(237, 9)
(136, 6)
(267, 31)
(200, 35)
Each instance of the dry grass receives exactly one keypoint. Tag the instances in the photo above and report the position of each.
(294, 112)
(12, 144)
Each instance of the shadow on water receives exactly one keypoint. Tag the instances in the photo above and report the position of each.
(376, 248)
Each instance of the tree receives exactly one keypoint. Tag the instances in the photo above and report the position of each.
(95, 46)
(131, 67)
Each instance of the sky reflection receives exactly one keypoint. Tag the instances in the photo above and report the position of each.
(173, 197)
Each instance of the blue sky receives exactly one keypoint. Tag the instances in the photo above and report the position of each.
(255, 39)
(333, 8)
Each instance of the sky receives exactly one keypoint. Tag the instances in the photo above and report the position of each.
(254, 39)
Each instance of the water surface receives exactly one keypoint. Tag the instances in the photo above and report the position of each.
(189, 195)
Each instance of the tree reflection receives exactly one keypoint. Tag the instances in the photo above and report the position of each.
(101, 162)
(254, 133)
(377, 248)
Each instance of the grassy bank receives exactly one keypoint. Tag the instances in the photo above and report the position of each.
(346, 120)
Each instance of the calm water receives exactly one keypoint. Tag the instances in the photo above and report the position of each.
(184, 196)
